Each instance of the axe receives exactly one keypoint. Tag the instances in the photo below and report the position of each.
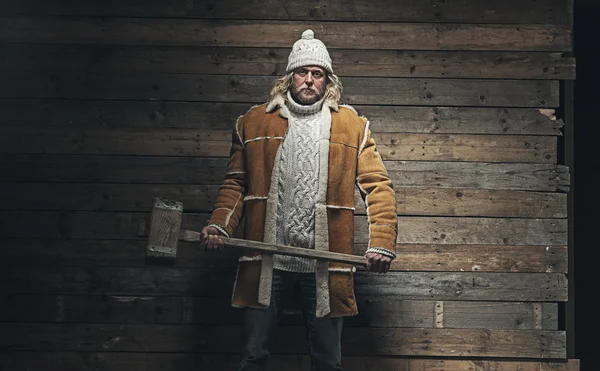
(165, 232)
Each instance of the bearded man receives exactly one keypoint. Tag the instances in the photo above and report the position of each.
(294, 165)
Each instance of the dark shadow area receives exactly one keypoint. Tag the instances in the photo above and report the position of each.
(586, 179)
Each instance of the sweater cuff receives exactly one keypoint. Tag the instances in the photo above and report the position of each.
(219, 228)
(382, 251)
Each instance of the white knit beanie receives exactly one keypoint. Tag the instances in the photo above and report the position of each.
(309, 51)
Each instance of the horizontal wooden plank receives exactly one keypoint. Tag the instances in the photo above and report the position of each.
(485, 258)
(509, 11)
(479, 175)
(466, 285)
(210, 171)
(198, 198)
(507, 316)
(467, 230)
(95, 114)
(162, 142)
(112, 169)
(373, 311)
(268, 61)
(472, 202)
(255, 89)
(217, 283)
(289, 339)
(243, 33)
(411, 229)
(461, 120)
(112, 197)
(83, 225)
(217, 143)
(475, 148)
(126, 361)
(411, 257)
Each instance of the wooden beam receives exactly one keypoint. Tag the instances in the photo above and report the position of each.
(226, 339)
(242, 33)
(96, 114)
(509, 11)
(159, 281)
(373, 311)
(268, 61)
(412, 257)
(150, 361)
(479, 175)
(455, 230)
(255, 89)
(411, 229)
(217, 143)
(200, 198)
(210, 171)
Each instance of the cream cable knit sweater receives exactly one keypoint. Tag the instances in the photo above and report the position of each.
(298, 184)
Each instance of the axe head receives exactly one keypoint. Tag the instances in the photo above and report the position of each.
(163, 235)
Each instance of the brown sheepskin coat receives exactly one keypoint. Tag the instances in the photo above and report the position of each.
(347, 158)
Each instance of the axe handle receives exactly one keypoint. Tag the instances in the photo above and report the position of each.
(193, 236)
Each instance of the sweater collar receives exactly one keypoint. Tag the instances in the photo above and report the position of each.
(279, 101)
(301, 109)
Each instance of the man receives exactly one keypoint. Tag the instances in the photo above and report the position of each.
(292, 171)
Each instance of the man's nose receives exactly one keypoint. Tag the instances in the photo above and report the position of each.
(309, 78)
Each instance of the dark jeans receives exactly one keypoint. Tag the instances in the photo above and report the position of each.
(324, 334)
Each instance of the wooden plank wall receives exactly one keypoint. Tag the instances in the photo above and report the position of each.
(107, 104)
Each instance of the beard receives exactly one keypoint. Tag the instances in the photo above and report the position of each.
(307, 96)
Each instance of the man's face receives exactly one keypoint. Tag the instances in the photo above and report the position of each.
(309, 84)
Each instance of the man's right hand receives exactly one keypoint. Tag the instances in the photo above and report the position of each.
(211, 237)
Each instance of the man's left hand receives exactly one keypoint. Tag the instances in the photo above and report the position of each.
(378, 263)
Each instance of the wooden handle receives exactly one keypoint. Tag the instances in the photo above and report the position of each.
(295, 251)
(193, 236)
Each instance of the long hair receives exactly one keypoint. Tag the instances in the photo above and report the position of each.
(333, 90)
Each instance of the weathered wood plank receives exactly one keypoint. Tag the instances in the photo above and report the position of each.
(198, 198)
(255, 89)
(412, 257)
(210, 171)
(217, 143)
(128, 197)
(411, 229)
(487, 258)
(127, 361)
(373, 312)
(242, 33)
(268, 61)
(461, 120)
(479, 148)
(102, 252)
(473, 202)
(139, 114)
(448, 230)
(465, 285)
(496, 315)
(509, 11)
(82, 225)
(289, 339)
(112, 169)
(91, 114)
(479, 175)
(162, 142)
(161, 281)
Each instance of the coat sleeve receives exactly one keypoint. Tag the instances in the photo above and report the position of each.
(229, 203)
(377, 191)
